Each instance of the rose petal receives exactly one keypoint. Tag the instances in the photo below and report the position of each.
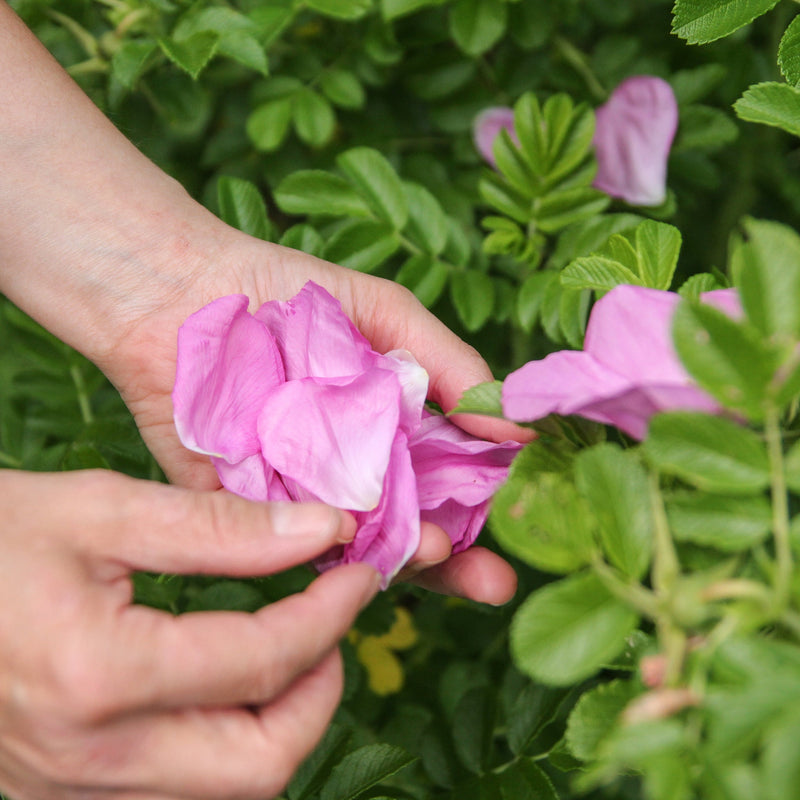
(251, 478)
(334, 440)
(633, 136)
(413, 386)
(227, 362)
(461, 523)
(315, 337)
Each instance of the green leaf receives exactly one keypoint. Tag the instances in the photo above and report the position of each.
(342, 88)
(530, 296)
(473, 728)
(374, 178)
(789, 52)
(427, 223)
(485, 398)
(425, 276)
(242, 206)
(534, 708)
(227, 595)
(558, 209)
(304, 238)
(192, 54)
(245, 49)
(691, 85)
(712, 453)
(616, 485)
(314, 771)
(128, 63)
(362, 769)
(595, 716)
(313, 117)
(573, 309)
(317, 192)
(341, 9)
(705, 128)
(780, 764)
(502, 196)
(472, 293)
(729, 524)
(362, 244)
(525, 780)
(212, 19)
(694, 286)
(268, 125)
(596, 272)
(568, 630)
(766, 270)
(725, 357)
(514, 168)
(539, 517)
(657, 246)
(392, 9)
(702, 21)
(476, 25)
(774, 104)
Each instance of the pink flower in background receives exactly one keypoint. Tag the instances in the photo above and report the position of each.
(632, 140)
(627, 372)
(291, 403)
(487, 126)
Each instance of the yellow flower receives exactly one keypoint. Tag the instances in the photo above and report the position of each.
(377, 653)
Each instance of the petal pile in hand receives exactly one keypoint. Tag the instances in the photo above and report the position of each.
(292, 403)
(627, 372)
(632, 140)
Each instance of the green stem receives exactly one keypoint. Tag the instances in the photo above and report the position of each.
(10, 461)
(634, 594)
(665, 560)
(578, 62)
(780, 511)
(83, 396)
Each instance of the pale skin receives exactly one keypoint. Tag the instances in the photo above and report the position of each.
(98, 697)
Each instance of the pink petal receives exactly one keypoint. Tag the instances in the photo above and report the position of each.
(452, 465)
(251, 478)
(461, 523)
(388, 535)
(334, 440)
(315, 337)
(413, 381)
(633, 136)
(487, 126)
(227, 362)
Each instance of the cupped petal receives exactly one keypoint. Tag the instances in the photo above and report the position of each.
(630, 333)
(413, 386)
(633, 136)
(227, 362)
(315, 337)
(251, 478)
(561, 383)
(452, 465)
(461, 523)
(334, 440)
(388, 535)
(487, 126)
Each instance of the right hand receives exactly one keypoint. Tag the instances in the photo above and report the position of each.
(105, 699)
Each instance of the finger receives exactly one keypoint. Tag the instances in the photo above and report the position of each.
(225, 658)
(476, 574)
(434, 548)
(149, 526)
(230, 752)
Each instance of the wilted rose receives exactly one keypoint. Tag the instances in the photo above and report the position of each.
(627, 372)
(292, 403)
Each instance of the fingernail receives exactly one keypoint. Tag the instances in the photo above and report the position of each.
(305, 519)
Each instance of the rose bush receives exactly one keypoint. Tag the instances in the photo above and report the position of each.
(292, 403)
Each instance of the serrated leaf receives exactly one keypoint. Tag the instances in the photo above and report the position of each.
(268, 125)
(242, 206)
(530, 296)
(364, 768)
(128, 63)
(540, 518)
(485, 398)
(560, 208)
(696, 285)
(766, 270)
(472, 293)
(313, 117)
(616, 485)
(341, 9)
(501, 195)
(473, 728)
(319, 192)
(374, 178)
(725, 357)
(594, 716)
(362, 244)
(774, 104)
(729, 524)
(596, 272)
(573, 310)
(702, 21)
(568, 630)
(314, 771)
(712, 453)
(426, 276)
(657, 246)
(534, 708)
(789, 52)
(525, 780)
(476, 25)
(246, 50)
(191, 54)
(342, 88)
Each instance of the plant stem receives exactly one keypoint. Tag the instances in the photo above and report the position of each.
(577, 61)
(634, 594)
(83, 396)
(10, 461)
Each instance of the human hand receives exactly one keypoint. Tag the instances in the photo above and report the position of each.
(106, 699)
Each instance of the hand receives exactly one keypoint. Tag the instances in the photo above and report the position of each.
(101, 698)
